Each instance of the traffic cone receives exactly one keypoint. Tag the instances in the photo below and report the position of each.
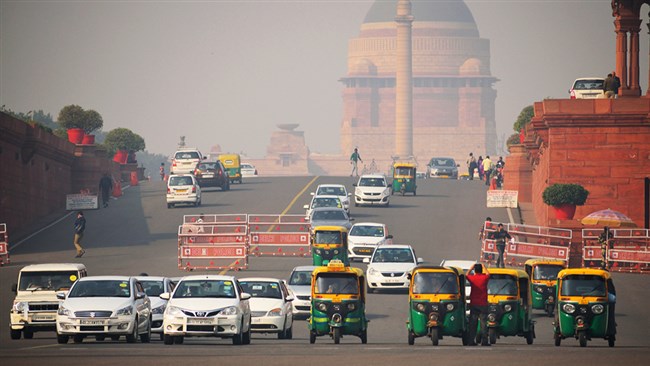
(117, 189)
(134, 179)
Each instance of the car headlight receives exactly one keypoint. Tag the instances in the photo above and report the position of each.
(173, 311)
(158, 310)
(420, 307)
(569, 308)
(386, 191)
(20, 306)
(507, 307)
(317, 251)
(492, 317)
(230, 310)
(351, 306)
(63, 311)
(125, 311)
(450, 307)
(597, 309)
(322, 307)
(538, 289)
(275, 312)
(336, 251)
(372, 271)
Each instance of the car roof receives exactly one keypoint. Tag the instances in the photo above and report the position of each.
(304, 268)
(395, 246)
(150, 278)
(260, 279)
(328, 209)
(53, 267)
(369, 224)
(460, 263)
(104, 278)
(441, 157)
(208, 277)
(594, 78)
(373, 176)
(325, 196)
(331, 185)
(182, 175)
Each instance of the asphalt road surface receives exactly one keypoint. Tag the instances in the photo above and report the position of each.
(137, 233)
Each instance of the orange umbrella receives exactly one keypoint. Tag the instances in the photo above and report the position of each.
(609, 218)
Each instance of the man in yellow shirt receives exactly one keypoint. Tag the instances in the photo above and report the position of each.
(487, 168)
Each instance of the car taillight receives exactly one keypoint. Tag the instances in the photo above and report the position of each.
(197, 172)
(173, 162)
(169, 190)
(220, 172)
(573, 94)
(193, 189)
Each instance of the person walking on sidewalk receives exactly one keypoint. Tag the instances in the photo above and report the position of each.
(487, 169)
(106, 186)
(79, 228)
(471, 166)
(354, 159)
(499, 237)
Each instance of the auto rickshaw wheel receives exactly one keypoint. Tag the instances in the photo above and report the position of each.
(529, 337)
(582, 338)
(434, 336)
(77, 338)
(558, 339)
(465, 338)
(492, 334)
(411, 338)
(336, 334)
(167, 339)
(15, 333)
(364, 337)
(312, 337)
(611, 341)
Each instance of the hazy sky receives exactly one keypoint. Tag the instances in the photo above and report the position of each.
(226, 72)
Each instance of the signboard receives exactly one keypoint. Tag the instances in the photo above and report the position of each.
(75, 202)
(3, 248)
(519, 249)
(233, 251)
(501, 198)
(213, 239)
(279, 239)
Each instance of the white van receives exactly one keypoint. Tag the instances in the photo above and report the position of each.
(185, 160)
(35, 306)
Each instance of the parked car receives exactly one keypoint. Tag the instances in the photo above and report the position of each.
(364, 237)
(440, 167)
(330, 216)
(248, 170)
(185, 160)
(212, 174)
(154, 286)
(300, 287)
(389, 266)
(322, 201)
(207, 306)
(334, 190)
(183, 188)
(372, 190)
(104, 306)
(587, 88)
(270, 304)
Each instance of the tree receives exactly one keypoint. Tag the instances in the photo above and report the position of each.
(524, 118)
(123, 139)
(73, 116)
(92, 121)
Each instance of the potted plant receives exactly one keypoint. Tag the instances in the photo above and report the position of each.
(121, 142)
(79, 122)
(564, 197)
(92, 121)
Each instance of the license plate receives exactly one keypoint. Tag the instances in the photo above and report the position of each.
(208, 175)
(181, 191)
(43, 317)
(92, 322)
(365, 250)
(256, 320)
(392, 280)
(199, 321)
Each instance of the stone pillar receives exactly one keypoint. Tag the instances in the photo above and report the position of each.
(621, 56)
(404, 82)
(635, 89)
(518, 173)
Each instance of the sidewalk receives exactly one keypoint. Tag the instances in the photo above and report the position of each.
(526, 213)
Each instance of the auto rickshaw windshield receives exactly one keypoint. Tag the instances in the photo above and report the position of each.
(435, 283)
(404, 171)
(583, 285)
(502, 285)
(546, 272)
(328, 237)
(337, 283)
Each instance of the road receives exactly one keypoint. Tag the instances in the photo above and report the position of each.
(137, 233)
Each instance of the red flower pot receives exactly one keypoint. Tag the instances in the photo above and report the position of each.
(88, 140)
(565, 211)
(121, 156)
(75, 135)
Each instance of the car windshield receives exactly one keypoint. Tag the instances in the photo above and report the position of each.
(337, 283)
(265, 289)
(246, 166)
(186, 155)
(207, 166)
(180, 181)
(101, 288)
(325, 202)
(205, 288)
(328, 215)
(589, 84)
(363, 230)
(583, 285)
(442, 162)
(387, 255)
(327, 237)
(435, 283)
(47, 281)
(500, 284)
(332, 191)
(300, 278)
(546, 272)
(153, 288)
(372, 182)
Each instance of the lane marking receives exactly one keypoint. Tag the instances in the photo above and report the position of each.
(43, 346)
(293, 201)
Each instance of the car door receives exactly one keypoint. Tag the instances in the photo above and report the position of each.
(244, 306)
(142, 306)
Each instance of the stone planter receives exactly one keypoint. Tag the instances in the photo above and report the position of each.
(121, 156)
(564, 212)
(88, 140)
(76, 135)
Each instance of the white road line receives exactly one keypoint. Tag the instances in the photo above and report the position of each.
(512, 220)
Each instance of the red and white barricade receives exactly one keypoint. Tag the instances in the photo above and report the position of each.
(4, 245)
(629, 250)
(225, 219)
(212, 246)
(278, 235)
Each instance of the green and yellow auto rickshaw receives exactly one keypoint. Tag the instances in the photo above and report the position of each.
(233, 166)
(329, 243)
(404, 178)
(585, 306)
(338, 303)
(509, 305)
(437, 304)
(543, 278)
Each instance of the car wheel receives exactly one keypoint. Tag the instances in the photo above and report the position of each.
(131, 338)
(28, 333)
(62, 339)
(77, 338)
(15, 333)
(282, 334)
(237, 339)
(146, 337)
(290, 333)
(162, 336)
(247, 337)
(169, 205)
(167, 339)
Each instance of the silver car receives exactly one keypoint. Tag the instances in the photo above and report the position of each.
(442, 168)
(300, 286)
(154, 286)
(330, 216)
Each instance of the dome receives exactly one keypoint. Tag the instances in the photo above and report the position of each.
(472, 66)
(422, 10)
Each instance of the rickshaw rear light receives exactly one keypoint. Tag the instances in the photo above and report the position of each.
(569, 308)
(597, 309)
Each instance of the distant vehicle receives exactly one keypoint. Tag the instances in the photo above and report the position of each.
(232, 164)
(330, 216)
(587, 88)
(185, 160)
(322, 201)
(154, 286)
(364, 237)
(300, 286)
(440, 167)
(35, 305)
(104, 306)
(372, 189)
(389, 266)
(183, 189)
(248, 170)
(270, 304)
(212, 174)
(334, 190)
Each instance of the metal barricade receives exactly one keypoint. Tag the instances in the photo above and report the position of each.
(212, 246)
(628, 251)
(278, 235)
(221, 219)
(4, 245)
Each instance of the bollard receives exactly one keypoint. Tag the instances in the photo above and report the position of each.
(134, 179)
(117, 189)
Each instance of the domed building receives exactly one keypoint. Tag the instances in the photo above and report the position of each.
(453, 94)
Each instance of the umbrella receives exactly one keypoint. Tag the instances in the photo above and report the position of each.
(608, 217)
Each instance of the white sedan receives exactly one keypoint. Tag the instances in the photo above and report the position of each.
(389, 267)
(270, 306)
(248, 170)
(372, 190)
(154, 286)
(364, 237)
(103, 306)
(322, 201)
(207, 306)
(334, 190)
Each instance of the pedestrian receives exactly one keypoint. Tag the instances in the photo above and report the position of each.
(471, 166)
(487, 169)
(609, 86)
(162, 171)
(479, 162)
(478, 278)
(354, 159)
(79, 228)
(604, 241)
(106, 185)
(500, 237)
(617, 83)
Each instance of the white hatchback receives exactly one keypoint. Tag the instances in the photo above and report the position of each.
(300, 287)
(248, 170)
(270, 304)
(364, 237)
(389, 266)
(154, 286)
(372, 190)
(183, 188)
(207, 306)
(587, 88)
(322, 201)
(334, 190)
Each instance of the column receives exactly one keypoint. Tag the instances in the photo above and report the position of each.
(621, 57)
(403, 82)
(635, 89)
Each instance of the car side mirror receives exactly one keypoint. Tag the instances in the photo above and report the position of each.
(289, 298)
(366, 260)
(60, 295)
(165, 296)
(140, 295)
(245, 296)
(389, 236)
(420, 260)
(312, 193)
(409, 276)
(14, 288)
(305, 206)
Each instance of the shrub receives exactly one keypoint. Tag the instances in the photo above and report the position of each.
(565, 193)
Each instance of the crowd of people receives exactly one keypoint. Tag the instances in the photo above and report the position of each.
(488, 170)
